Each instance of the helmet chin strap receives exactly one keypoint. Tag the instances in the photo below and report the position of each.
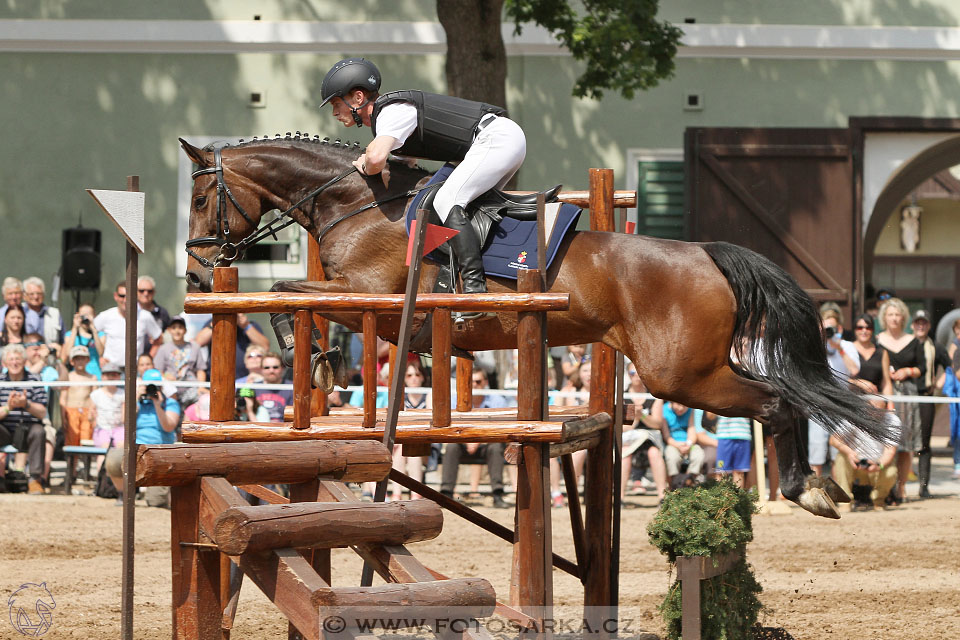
(356, 116)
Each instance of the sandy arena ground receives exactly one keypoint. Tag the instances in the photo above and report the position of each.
(886, 574)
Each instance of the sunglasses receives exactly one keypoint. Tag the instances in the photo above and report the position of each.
(33, 344)
(145, 290)
(272, 367)
(884, 296)
(120, 295)
(862, 327)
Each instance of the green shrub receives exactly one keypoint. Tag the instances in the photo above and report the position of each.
(712, 519)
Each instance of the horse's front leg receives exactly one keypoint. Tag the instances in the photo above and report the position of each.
(326, 368)
(798, 483)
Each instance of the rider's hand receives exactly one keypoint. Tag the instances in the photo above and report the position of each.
(361, 163)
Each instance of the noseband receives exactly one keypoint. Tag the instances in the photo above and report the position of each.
(230, 251)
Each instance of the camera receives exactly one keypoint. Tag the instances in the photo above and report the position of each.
(85, 322)
(863, 464)
(829, 332)
(152, 392)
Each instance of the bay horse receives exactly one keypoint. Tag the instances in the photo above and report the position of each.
(710, 325)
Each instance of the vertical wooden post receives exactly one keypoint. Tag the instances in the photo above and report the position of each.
(130, 432)
(302, 330)
(319, 559)
(369, 369)
(464, 384)
(197, 609)
(531, 585)
(598, 493)
(318, 401)
(442, 339)
(223, 350)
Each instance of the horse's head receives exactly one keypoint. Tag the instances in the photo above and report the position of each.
(221, 216)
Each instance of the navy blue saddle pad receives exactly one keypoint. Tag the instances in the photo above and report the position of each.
(512, 244)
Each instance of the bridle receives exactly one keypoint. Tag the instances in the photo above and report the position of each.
(230, 251)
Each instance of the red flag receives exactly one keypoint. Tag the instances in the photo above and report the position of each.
(435, 237)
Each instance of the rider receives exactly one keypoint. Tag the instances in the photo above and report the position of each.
(488, 147)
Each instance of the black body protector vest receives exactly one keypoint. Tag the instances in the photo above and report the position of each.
(445, 125)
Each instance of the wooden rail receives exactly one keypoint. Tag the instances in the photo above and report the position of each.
(284, 302)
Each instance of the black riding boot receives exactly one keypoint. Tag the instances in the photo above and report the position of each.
(924, 475)
(466, 252)
(326, 369)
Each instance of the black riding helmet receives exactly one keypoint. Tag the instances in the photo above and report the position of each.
(348, 74)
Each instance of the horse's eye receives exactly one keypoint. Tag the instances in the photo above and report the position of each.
(200, 202)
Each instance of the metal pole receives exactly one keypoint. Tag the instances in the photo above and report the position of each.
(129, 432)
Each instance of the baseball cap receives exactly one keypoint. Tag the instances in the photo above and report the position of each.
(152, 375)
(110, 367)
(79, 351)
(176, 319)
(921, 315)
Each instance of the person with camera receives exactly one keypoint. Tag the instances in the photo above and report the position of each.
(868, 480)
(22, 411)
(83, 334)
(248, 408)
(843, 358)
(157, 419)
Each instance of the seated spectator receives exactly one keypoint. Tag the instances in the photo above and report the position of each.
(248, 409)
(22, 411)
(576, 355)
(157, 420)
(13, 326)
(955, 340)
(83, 333)
(40, 361)
(76, 407)
(40, 318)
(253, 361)
(679, 435)
(734, 437)
(643, 439)
(415, 376)
(107, 403)
(248, 332)
(275, 400)
(12, 296)
(868, 481)
(491, 452)
(181, 360)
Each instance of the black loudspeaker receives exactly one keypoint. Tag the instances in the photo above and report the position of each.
(80, 266)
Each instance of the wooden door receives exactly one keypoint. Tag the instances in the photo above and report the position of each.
(785, 193)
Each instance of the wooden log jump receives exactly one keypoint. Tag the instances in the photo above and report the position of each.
(320, 525)
(285, 549)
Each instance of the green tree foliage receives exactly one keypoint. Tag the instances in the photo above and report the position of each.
(710, 520)
(622, 44)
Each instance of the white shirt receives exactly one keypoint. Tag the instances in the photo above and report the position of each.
(114, 326)
(835, 359)
(109, 408)
(397, 120)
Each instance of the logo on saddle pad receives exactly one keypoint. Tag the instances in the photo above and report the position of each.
(520, 262)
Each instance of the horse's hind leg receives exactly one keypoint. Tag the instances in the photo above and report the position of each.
(728, 393)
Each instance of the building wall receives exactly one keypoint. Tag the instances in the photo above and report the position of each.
(78, 120)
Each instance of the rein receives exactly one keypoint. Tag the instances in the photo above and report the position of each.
(231, 251)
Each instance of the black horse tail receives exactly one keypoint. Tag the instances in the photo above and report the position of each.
(777, 339)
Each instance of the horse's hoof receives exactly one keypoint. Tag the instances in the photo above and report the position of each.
(816, 501)
(836, 493)
(321, 373)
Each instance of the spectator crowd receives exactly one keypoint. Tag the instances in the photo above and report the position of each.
(888, 353)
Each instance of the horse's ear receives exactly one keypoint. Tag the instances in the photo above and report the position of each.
(195, 154)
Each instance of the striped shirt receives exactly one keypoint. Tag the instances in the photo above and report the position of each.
(734, 428)
(34, 394)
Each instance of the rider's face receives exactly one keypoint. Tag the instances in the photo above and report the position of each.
(341, 111)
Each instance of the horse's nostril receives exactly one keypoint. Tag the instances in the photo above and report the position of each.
(193, 279)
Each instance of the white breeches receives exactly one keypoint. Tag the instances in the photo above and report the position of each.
(493, 158)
